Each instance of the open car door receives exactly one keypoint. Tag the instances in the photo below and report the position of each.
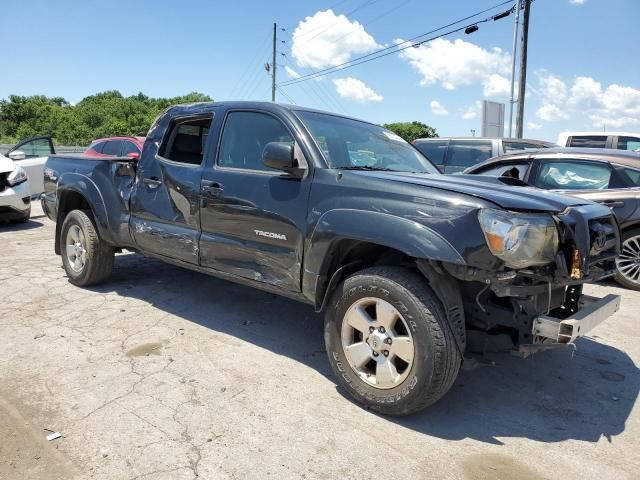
(31, 154)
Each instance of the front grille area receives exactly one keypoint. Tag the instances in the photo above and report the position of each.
(593, 231)
(604, 240)
(3, 181)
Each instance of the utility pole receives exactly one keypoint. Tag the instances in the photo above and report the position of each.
(273, 66)
(523, 68)
(513, 64)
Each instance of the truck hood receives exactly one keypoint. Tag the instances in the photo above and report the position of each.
(487, 188)
(6, 164)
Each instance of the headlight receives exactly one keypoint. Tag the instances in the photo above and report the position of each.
(520, 239)
(17, 176)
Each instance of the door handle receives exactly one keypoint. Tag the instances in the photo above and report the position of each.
(613, 204)
(212, 189)
(152, 182)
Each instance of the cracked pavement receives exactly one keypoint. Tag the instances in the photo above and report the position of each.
(162, 373)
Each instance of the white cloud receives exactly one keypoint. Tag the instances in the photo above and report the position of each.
(459, 63)
(471, 111)
(497, 86)
(437, 108)
(550, 88)
(355, 89)
(325, 40)
(533, 126)
(577, 2)
(292, 73)
(614, 107)
(550, 112)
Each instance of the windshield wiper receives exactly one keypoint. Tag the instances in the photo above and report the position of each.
(367, 167)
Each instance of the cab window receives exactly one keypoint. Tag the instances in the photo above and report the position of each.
(513, 170)
(465, 153)
(591, 141)
(244, 137)
(434, 150)
(185, 140)
(629, 143)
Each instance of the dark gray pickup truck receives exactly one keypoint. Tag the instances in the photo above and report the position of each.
(414, 269)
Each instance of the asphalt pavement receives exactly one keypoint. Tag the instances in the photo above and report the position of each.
(163, 373)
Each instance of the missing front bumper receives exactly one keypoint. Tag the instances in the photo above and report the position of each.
(549, 332)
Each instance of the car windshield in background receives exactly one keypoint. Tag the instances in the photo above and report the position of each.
(351, 144)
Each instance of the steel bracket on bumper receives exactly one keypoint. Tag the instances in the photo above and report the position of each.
(549, 332)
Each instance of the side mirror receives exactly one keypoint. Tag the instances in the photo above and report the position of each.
(133, 155)
(279, 155)
(17, 155)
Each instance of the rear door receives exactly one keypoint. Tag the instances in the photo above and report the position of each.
(165, 205)
(253, 217)
(463, 154)
(36, 151)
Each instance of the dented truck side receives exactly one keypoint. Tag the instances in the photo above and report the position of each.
(412, 268)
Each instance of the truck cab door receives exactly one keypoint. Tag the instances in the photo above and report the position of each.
(253, 217)
(165, 205)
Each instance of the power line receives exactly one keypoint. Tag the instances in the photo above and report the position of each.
(394, 48)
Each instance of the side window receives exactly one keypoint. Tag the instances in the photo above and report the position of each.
(112, 147)
(629, 143)
(633, 176)
(507, 170)
(433, 150)
(465, 153)
(594, 141)
(129, 147)
(510, 146)
(563, 175)
(39, 147)
(244, 136)
(185, 140)
(97, 147)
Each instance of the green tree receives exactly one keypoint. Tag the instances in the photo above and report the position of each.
(411, 130)
(104, 114)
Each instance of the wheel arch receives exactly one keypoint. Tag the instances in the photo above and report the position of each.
(83, 195)
(345, 241)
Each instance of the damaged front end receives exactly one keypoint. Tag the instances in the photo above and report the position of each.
(541, 306)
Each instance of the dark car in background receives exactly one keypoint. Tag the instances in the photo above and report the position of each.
(116, 147)
(453, 155)
(609, 177)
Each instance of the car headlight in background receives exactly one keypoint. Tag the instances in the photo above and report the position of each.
(17, 176)
(520, 240)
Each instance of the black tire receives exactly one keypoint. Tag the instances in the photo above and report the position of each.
(99, 255)
(437, 359)
(619, 277)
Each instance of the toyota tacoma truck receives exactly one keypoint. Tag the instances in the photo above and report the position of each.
(414, 269)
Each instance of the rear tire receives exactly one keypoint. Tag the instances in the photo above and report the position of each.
(628, 263)
(421, 374)
(86, 258)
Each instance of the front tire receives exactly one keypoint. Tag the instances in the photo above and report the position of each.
(388, 341)
(628, 263)
(86, 258)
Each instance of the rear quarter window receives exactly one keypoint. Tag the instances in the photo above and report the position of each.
(465, 153)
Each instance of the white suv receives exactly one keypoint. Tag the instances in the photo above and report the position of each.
(615, 140)
(15, 192)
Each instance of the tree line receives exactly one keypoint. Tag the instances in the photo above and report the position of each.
(109, 114)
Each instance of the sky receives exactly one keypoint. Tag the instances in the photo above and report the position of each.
(583, 70)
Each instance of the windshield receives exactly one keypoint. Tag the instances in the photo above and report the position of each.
(354, 145)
